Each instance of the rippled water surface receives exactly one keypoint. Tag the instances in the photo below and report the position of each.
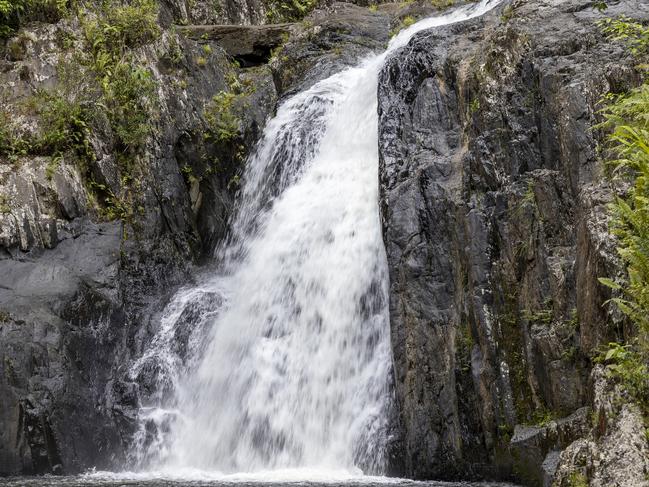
(98, 481)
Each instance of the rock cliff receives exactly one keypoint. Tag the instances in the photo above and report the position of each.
(494, 211)
(80, 276)
(493, 198)
(95, 237)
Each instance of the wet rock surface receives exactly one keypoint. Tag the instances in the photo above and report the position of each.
(81, 291)
(494, 211)
(78, 288)
(536, 449)
(327, 41)
(249, 45)
(494, 214)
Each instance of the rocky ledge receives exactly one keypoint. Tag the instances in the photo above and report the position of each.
(250, 45)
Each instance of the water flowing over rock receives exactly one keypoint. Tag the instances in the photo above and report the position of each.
(79, 294)
(389, 264)
(296, 372)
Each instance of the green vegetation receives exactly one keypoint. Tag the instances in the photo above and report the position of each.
(507, 15)
(633, 34)
(103, 86)
(130, 96)
(627, 365)
(14, 13)
(220, 115)
(512, 351)
(627, 119)
(174, 53)
(66, 126)
(278, 11)
(4, 205)
(406, 22)
(527, 201)
(442, 4)
(543, 417)
(65, 129)
(571, 328)
(464, 347)
(115, 207)
(12, 143)
(127, 88)
(223, 116)
(223, 113)
(474, 106)
(578, 479)
(114, 28)
(538, 316)
(276, 53)
(600, 5)
(64, 39)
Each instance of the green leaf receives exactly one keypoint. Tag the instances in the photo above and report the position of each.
(609, 283)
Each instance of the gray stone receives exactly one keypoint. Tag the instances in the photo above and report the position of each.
(615, 453)
(250, 45)
(549, 467)
(493, 202)
(535, 449)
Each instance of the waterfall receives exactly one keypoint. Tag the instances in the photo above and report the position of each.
(281, 359)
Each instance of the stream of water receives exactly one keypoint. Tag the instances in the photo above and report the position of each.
(280, 361)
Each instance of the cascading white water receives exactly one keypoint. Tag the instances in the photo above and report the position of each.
(289, 354)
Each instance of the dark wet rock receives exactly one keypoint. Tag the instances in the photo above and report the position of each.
(78, 292)
(249, 45)
(325, 42)
(250, 12)
(494, 212)
(241, 12)
(549, 467)
(535, 449)
(51, 354)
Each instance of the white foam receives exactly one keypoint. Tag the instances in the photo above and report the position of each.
(291, 377)
(283, 476)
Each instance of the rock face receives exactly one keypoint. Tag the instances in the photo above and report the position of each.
(237, 12)
(493, 198)
(250, 45)
(615, 453)
(330, 40)
(78, 288)
(493, 202)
